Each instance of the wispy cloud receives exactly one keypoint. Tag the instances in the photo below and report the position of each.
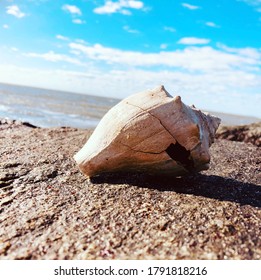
(169, 28)
(189, 6)
(81, 41)
(254, 3)
(78, 21)
(193, 41)
(74, 10)
(14, 10)
(163, 46)
(60, 37)
(121, 6)
(191, 58)
(54, 57)
(248, 52)
(130, 30)
(5, 26)
(212, 24)
(14, 49)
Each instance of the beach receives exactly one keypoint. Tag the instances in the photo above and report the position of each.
(130, 130)
(50, 210)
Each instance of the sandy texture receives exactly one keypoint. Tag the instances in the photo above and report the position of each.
(49, 210)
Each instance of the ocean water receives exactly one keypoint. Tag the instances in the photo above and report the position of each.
(49, 108)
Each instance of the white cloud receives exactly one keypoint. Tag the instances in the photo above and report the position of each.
(203, 59)
(54, 57)
(5, 26)
(251, 53)
(163, 46)
(169, 28)
(190, 7)
(121, 6)
(254, 3)
(109, 8)
(74, 10)
(128, 29)
(78, 21)
(125, 12)
(80, 41)
(134, 4)
(63, 38)
(14, 10)
(193, 41)
(212, 24)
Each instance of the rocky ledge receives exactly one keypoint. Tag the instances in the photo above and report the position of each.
(243, 133)
(49, 210)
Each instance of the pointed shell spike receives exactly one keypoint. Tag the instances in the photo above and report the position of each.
(150, 132)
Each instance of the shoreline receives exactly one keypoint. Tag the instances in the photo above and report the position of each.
(49, 210)
(47, 108)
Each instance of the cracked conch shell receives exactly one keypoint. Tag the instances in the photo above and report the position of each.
(150, 132)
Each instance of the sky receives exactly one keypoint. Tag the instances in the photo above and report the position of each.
(208, 52)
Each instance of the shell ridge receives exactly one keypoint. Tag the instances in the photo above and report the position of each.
(140, 151)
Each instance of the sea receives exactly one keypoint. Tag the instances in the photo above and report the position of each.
(52, 108)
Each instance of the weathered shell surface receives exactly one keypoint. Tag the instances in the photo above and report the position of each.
(150, 132)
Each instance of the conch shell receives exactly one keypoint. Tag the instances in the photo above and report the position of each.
(150, 132)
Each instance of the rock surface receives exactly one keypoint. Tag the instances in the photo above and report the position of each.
(49, 210)
(243, 133)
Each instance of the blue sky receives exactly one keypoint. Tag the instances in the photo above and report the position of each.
(209, 52)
